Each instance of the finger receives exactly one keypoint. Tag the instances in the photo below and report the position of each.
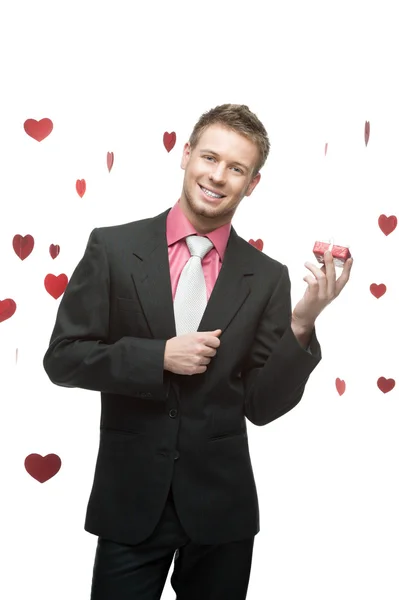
(344, 277)
(320, 277)
(313, 285)
(331, 275)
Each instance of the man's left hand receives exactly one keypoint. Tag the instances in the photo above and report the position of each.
(322, 289)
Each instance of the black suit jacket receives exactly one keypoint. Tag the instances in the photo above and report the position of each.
(158, 428)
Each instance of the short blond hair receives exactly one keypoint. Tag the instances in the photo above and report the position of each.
(239, 118)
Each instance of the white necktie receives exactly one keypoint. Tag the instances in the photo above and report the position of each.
(191, 297)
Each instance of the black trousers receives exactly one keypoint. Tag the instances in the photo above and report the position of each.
(212, 572)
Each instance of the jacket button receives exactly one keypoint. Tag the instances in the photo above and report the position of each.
(177, 455)
(173, 413)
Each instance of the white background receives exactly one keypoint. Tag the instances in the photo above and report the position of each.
(113, 77)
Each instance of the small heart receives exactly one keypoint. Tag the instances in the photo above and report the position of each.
(54, 250)
(7, 309)
(378, 290)
(38, 130)
(258, 244)
(42, 468)
(110, 160)
(55, 286)
(23, 246)
(81, 187)
(385, 385)
(340, 385)
(169, 140)
(367, 132)
(387, 224)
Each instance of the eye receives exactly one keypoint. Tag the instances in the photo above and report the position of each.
(239, 170)
(211, 157)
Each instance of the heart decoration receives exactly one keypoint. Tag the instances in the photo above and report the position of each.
(387, 224)
(81, 187)
(378, 290)
(23, 245)
(340, 386)
(169, 140)
(367, 132)
(38, 130)
(385, 385)
(42, 468)
(258, 244)
(110, 160)
(54, 250)
(7, 309)
(55, 286)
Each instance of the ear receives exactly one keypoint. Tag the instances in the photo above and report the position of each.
(186, 155)
(253, 184)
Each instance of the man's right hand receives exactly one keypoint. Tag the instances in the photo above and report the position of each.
(189, 354)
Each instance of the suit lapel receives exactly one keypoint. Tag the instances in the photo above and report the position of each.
(151, 277)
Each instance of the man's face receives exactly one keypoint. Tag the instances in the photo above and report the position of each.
(222, 162)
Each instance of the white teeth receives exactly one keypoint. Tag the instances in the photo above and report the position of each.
(208, 193)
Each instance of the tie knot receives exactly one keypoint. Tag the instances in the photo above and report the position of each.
(198, 245)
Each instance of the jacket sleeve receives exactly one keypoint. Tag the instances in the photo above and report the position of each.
(278, 367)
(79, 355)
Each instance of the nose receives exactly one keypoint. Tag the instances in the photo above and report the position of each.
(217, 174)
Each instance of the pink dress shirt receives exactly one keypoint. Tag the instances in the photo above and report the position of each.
(178, 227)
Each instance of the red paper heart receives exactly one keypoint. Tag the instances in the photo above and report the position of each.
(7, 309)
(378, 290)
(55, 286)
(110, 160)
(367, 132)
(387, 224)
(258, 244)
(23, 246)
(340, 385)
(169, 140)
(38, 130)
(42, 468)
(81, 187)
(385, 385)
(54, 250)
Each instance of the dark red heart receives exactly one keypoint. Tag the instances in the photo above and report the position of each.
(169, 140)
(23, 246)
(42, 468)
(54, 250)
(385, 385)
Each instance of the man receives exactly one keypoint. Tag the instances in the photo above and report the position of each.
(182, 349)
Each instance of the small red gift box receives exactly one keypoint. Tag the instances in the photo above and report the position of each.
(340, 254)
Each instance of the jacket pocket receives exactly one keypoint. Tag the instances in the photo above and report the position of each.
(228, 435)
(107, 430)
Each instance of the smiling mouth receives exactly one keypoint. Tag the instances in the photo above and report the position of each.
(211, 194)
